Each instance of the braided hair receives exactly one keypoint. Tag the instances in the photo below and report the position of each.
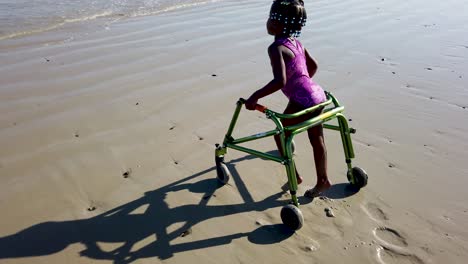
(291, 13)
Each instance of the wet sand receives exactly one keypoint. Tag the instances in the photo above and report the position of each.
(107, 138)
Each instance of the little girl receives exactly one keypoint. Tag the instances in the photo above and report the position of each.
(293, 69)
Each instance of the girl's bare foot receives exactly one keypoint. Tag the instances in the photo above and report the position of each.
(318, 189)
(299, 179)
(285, 186)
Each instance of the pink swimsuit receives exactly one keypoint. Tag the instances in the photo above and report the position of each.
(300, 88)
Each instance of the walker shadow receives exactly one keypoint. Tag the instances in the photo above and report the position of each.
(340, 191)
(120, 225)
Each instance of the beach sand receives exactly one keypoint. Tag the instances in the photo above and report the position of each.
(107, 138)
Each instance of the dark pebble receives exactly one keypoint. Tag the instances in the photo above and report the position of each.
(137, 103)
(200, 138)
(47, 59)
(172, 127)
(214, 75)
(91, 208)
(390, 165)
(431, 97)
(383, 59)
(176, 162)
(186, 232)
(429, 69)
(350, 120)
(394, 72)
(76, 135)
(126, 174)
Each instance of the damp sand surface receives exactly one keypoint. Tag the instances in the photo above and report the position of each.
(107, 138)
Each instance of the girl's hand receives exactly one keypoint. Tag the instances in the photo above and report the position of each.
(251, 103)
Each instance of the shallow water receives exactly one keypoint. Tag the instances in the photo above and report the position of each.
(25, 17)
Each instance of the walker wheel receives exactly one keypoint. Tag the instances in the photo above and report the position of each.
(223, 172)
(292, 217)
(360, 177)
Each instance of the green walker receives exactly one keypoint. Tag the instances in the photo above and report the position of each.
(290, 214)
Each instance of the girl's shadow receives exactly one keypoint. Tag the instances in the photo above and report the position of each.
(125, 226)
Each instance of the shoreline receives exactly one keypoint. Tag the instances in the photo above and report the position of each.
(152, 95)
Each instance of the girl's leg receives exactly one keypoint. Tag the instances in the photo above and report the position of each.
(320, 157)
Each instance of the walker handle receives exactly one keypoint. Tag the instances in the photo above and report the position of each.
(261, 108)
(258, 107)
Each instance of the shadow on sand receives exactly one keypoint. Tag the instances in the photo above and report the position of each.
(120, 225)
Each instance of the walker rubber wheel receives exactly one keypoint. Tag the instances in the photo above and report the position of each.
(223, 172)
(360, 177)
(292, 217)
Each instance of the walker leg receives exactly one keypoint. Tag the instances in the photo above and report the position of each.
(356, 176)
(291, 171)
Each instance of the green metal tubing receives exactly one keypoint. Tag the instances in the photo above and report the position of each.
(291, 170)
(256, 153)
(333, 98)
(332, 127)
(286, 141)
(301, 127)
(305, 111)
(234, 118)
(254, 137)
(345, 136)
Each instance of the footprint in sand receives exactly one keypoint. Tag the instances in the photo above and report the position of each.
(375, 212)
(392, 245)
(393, 248)
(390, 236)
(390, 256)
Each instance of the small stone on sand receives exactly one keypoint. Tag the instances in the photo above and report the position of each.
(329, 212)
(91, 208)
(311, 248)
(186, 232)
(214, 75)
(324, 198)
(126, 174)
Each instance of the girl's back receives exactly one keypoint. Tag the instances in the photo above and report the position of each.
(300, 88)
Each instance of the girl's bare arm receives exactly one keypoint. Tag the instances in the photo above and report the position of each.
(311, 64)
(279, 77)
